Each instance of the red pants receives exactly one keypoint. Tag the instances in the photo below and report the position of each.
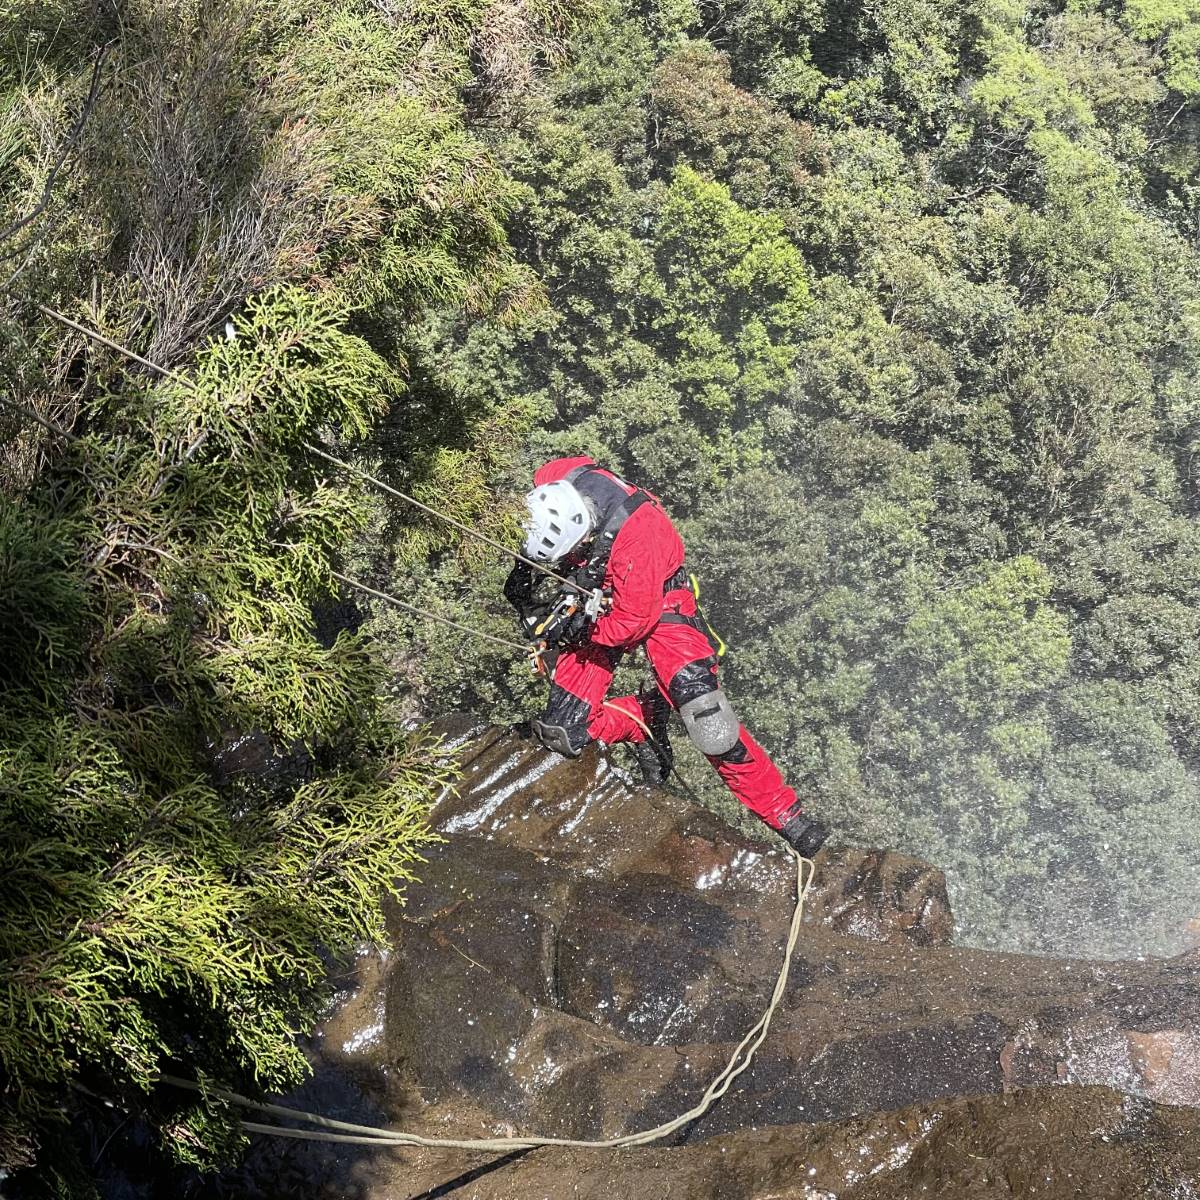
(684, 668)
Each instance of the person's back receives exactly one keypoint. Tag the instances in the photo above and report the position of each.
(612, 539)
(646, 550)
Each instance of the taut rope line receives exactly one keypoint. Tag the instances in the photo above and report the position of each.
(687, 787)
(421, 612)
(480, 537)
(95, 335)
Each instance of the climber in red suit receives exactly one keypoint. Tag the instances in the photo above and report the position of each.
(603, 533)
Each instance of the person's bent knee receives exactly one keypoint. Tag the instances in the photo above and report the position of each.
(563, 727)
(737, 755)
(692, 680)
(711, 723)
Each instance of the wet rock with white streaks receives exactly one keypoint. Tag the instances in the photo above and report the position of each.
(582, 955)
(586, 816)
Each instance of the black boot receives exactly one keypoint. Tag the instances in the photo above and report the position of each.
(654, 755)
(804, 834)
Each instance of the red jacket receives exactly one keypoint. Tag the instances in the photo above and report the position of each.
(646, 553)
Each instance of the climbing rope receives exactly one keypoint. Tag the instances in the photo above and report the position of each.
(367, 1135)
(481, 537)
(687, 787)
(167, 373)
(423, 612)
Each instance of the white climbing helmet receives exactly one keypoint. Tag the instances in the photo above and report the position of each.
(559, 519)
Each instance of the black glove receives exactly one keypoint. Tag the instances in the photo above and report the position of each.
(568, 631)
(518, 587)
(529, 617)
(519, 592)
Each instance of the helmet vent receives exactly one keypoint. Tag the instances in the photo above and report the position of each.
(559, 519)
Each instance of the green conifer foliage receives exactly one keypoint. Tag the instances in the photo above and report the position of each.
(896, 306)
(162, 904)
(203, 795)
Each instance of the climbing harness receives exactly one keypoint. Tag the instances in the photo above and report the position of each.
(681, 579)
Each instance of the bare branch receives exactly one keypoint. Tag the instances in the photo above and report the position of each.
(68, 145)
(25, 410)
(99, 337)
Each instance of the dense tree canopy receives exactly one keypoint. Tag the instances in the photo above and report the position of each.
(897, 309)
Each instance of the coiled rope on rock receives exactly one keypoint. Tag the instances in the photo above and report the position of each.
(332, 1130)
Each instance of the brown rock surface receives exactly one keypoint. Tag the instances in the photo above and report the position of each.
(1076, 1144)
(1060, 1143)
(585, 816)
(581, 956)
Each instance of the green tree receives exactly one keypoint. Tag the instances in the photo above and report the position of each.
(896, 308)
(204, 792)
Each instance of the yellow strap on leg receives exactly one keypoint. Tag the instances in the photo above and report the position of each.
(718, 642)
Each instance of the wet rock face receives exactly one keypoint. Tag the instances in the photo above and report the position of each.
(884, 896)
(581, 955)
(585, 816)
(1060, 1144)
(584, 954)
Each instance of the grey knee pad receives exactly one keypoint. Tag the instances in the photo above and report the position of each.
(711, 722)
